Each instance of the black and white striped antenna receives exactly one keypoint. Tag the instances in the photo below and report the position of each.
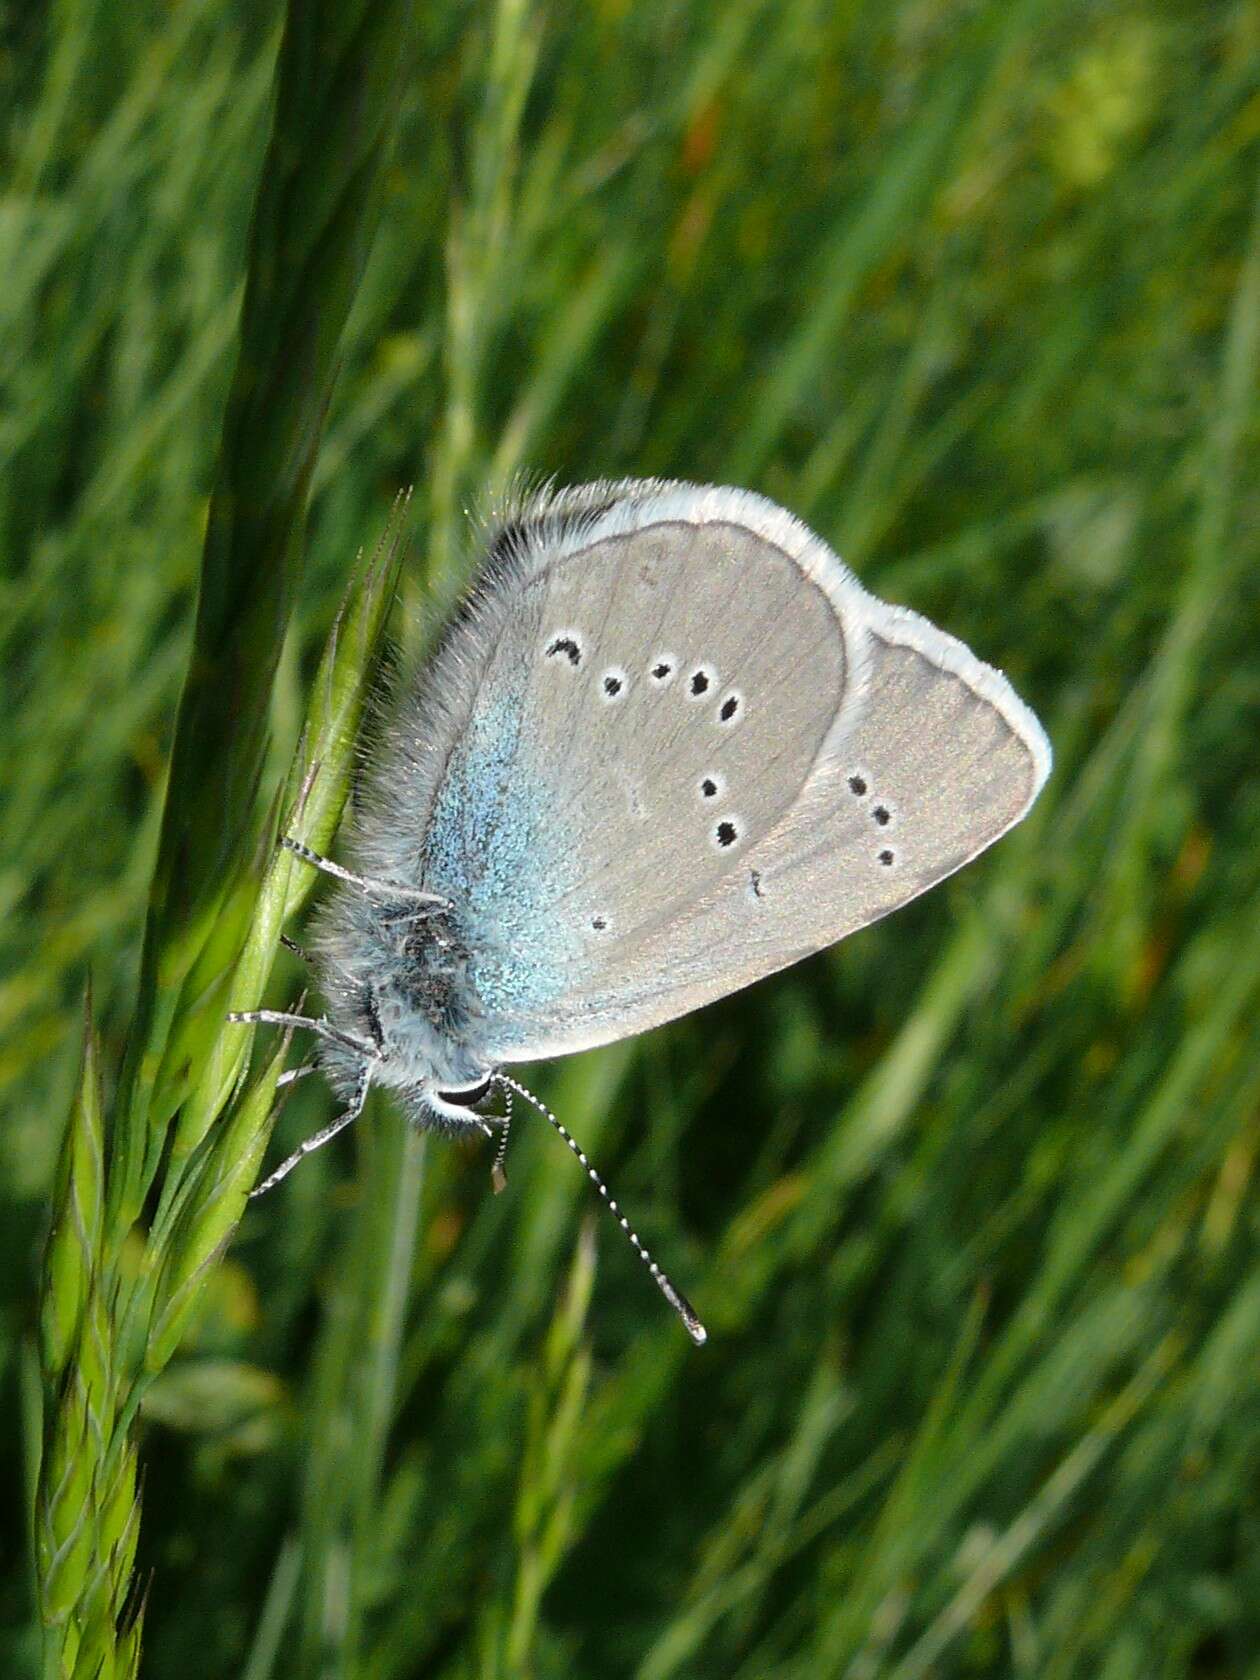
(681, 1305)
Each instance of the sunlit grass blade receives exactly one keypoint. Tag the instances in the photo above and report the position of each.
(338, 79)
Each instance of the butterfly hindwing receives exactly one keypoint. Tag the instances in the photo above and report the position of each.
(930, 773)
(640, 722)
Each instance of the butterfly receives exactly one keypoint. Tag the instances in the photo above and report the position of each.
(668, 746)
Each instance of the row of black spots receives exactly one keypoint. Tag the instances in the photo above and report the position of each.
(702, 682)
(881, 815)
(664, 669)
(614, 683)
(699, 683)
(566, 646)
(726, 833)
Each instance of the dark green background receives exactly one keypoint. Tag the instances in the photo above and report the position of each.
(969, 1204)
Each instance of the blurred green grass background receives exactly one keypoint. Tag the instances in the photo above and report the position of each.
(968, 1204)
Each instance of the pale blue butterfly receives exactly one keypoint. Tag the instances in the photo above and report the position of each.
(668, 746)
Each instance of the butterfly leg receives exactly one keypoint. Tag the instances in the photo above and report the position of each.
(366, 883)
(304, 956)
(291, 1075)
(318, 1139)
(324, 1029)
(299, 951)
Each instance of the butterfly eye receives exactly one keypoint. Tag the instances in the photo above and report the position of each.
(470, 1096)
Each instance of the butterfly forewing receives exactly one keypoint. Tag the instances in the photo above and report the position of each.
(652, 708)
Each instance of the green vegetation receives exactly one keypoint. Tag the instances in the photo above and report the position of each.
(968, 1203)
